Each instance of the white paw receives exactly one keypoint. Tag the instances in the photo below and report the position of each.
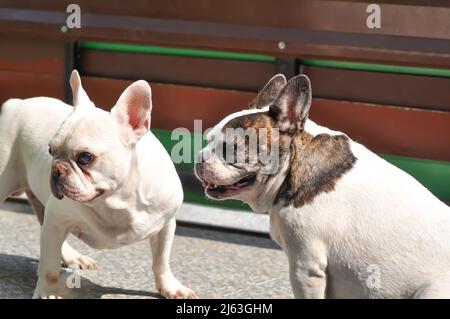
(170, 288)
(180, 292)
(80, 262)
(44, 292)
(47, 297)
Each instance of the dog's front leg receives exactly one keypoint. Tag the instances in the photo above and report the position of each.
(307, 273)
(53, 235)
(166, 283)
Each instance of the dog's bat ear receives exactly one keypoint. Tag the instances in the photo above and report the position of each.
(269, 93)
(291, 107)
(133, 110)
(80, 97)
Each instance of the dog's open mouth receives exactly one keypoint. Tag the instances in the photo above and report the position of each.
(216, 191)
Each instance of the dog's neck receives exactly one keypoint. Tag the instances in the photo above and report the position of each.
(316, 165)
(122, 196)
(266, 196)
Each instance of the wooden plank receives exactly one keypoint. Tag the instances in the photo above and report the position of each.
(384, 129)
(177, 69)
(299, 42)
(26, 84)
(415, 18)
(29, 55)
(383, 88)
(388, 130)
(174, 105)
(377, 67)
(180, 52)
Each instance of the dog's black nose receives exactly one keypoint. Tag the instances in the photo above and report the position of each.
(58, 171)
(55, 175)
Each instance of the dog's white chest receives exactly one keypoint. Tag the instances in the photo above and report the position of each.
(111, 229)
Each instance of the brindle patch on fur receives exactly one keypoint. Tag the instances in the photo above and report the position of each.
(317, 163)
(254, 122)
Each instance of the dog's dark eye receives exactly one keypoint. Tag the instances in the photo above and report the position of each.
(50, 151)
(85, 158)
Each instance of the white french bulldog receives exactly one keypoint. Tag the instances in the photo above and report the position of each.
(351, 224)
(112, 181)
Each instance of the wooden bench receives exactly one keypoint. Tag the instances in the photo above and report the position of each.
(387, 88)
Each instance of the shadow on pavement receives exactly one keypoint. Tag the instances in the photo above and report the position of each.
(195, 231)
(224, 236)
(18, 279)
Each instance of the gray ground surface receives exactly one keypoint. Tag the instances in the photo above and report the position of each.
(215, 264)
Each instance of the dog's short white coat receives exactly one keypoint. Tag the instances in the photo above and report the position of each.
(378, 234)
(143, 206)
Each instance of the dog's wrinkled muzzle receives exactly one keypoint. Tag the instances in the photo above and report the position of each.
(56, 189)
(59, 172)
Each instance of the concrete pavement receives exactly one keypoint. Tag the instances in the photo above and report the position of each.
(215, 264)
